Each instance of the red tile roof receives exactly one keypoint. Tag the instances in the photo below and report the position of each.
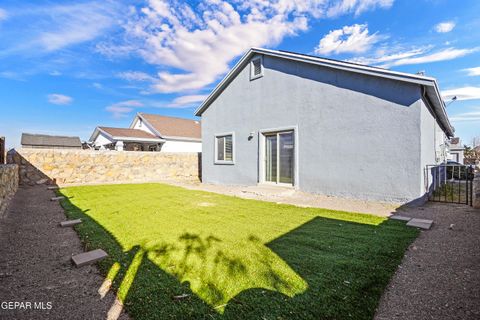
(174, 127)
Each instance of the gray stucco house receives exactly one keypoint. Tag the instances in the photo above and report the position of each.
(323, 126)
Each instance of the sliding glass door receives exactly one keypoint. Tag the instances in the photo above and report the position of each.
(279, 157)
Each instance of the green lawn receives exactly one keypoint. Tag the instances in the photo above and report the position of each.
(235, 258)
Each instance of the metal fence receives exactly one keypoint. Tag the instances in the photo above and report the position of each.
(449, 183)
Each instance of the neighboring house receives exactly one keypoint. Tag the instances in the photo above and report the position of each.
(323, 126)
(125, 139)
(456, 150)
(150, 132)
(50, 142)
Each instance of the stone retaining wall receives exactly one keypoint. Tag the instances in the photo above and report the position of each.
(8, 184)
(63, 167)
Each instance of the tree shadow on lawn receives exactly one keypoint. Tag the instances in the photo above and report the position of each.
(339, 271)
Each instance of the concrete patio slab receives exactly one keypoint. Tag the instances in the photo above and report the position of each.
(70, 223)
(57, 198)
(288, 195)
(89, 257)
(401, 218)
(420, 223)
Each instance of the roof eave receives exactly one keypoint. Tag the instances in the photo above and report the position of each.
(183, 138)
(136, 139)
(218, 89)
(440, 110)
(384, 73)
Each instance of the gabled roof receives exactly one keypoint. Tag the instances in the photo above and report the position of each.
(431, 90)
(125, 134)
(171, 127)
(43, 140)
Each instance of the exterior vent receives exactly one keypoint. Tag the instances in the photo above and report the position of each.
(256, 68)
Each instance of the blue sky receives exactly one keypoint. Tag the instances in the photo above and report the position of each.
(66, 67)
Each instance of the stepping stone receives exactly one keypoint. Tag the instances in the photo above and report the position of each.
(401, 218)
(89, 257)
(52, 188)
(70, 223)
(57, 198)
(420, 223)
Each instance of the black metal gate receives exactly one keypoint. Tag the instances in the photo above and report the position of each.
(450, 183)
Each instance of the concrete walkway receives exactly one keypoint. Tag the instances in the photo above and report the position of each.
(291, 196)
(439, 277)
(35, 264)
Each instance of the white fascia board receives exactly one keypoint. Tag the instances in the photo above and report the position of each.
(139, 139)
(182, 139)
(106, 134)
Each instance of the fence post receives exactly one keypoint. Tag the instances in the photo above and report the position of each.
(2, 150)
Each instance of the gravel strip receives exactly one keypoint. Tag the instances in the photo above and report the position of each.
(439, 277)
(35, 263)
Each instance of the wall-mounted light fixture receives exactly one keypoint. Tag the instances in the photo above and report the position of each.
(250, 136)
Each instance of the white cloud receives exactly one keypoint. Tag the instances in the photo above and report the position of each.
(354, 39)
(59, 99)
(463, 93)
(200, 44)
(3, 14)
(121, 109)
(473, 71)
(55, 73)
(383, 56)
(444, 27)
(53, 27)
(357, 6)
(11, 75)
(471, 116)
(442, 55)
(187, 101)
(135, 76)
(75, 24)
(387, 58)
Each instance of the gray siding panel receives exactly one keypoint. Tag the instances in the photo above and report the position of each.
(358, 135)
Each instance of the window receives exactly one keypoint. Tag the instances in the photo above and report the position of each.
(256, 68)
(224, 148)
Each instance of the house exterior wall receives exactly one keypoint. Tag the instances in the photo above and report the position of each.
(101, 140)
(181, 146)
(170, 145)
(357, 136)
(457, 155)
(432, 142)
(139, 124)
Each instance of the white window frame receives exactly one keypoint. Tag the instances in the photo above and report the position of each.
(252, 68)
(261, 165)
(220, 135)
